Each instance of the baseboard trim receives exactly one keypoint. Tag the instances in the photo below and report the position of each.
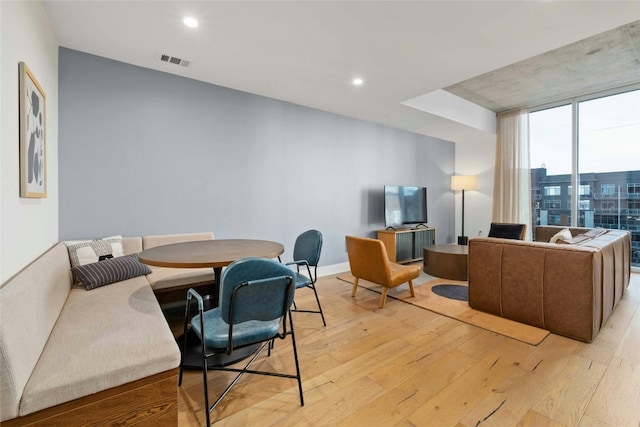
(328, 270)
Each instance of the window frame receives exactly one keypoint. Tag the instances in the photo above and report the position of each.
(575, 175)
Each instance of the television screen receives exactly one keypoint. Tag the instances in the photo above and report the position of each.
(404, 205)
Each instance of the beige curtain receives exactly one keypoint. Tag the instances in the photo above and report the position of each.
(512, 181)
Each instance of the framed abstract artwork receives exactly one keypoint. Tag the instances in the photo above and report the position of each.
(33, 119)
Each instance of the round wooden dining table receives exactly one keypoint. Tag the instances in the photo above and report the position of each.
(216, 254)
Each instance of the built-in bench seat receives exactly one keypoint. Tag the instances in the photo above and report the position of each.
(69, 356)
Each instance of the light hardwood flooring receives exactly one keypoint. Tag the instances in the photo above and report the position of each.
(406, 366)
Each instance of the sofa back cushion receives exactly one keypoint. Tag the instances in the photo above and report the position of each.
(30, 304)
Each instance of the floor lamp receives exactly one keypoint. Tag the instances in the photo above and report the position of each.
(463, 182)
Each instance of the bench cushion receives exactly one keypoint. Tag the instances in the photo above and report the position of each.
(129, 340)
(149, 242)
(131, 245)
(30, 303)
(165, 278)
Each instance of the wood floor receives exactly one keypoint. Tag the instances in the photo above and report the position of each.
(406, 366)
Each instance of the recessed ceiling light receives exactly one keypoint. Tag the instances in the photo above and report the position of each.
(357, 81)
(190, 22)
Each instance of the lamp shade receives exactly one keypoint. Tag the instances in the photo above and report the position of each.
(464, 182)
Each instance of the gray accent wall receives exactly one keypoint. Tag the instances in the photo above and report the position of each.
(144, 152)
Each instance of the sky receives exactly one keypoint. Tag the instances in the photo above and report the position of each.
(608, 135)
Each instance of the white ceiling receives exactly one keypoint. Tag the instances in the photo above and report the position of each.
(308, 52)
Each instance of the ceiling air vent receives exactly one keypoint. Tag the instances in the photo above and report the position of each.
(174, 60)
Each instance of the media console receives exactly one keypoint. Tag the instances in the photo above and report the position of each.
(406, 245)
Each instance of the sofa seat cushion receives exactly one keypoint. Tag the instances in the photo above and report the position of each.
(110, 336)
(166, 278)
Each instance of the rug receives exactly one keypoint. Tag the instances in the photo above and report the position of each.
(447, 290)
(425, 298)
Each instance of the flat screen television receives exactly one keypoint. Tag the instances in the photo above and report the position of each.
(404, 206)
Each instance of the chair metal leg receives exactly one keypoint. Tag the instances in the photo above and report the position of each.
(295, 356)
(319, 306)
(241, 372)
(184, 342)
(206, 385)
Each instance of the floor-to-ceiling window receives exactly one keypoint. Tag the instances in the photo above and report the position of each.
(550, 159)
(592, 144)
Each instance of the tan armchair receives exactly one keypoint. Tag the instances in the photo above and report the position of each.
(369, 261)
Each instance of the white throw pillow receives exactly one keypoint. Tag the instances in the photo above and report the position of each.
(82, 252)
(562, 236)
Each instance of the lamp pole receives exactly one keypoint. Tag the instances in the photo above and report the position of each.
(463, 240)
(463, 182)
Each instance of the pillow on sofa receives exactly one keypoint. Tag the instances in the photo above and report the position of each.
(562, 236)
(595, 232)
(109, 271)
(83, 252)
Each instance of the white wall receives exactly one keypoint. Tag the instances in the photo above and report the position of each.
(477, 158)
(28, 227)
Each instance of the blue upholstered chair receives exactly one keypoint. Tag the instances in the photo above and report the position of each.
(306, 253)
(254, 307)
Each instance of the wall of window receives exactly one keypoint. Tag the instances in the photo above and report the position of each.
(592, 143)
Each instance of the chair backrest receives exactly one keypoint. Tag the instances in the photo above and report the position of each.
(307, 247)
(368, 259)
(266, 293)
(508, 231)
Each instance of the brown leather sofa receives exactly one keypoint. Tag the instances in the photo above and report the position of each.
(568, 289)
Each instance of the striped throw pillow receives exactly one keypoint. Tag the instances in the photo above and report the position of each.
(109, 271)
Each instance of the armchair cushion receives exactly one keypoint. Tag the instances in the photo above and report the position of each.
(403, 273)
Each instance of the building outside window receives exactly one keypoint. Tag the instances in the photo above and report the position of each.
(607, 189)
(551, 204)
(584, 190)
(553, 190)
(606, 138)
